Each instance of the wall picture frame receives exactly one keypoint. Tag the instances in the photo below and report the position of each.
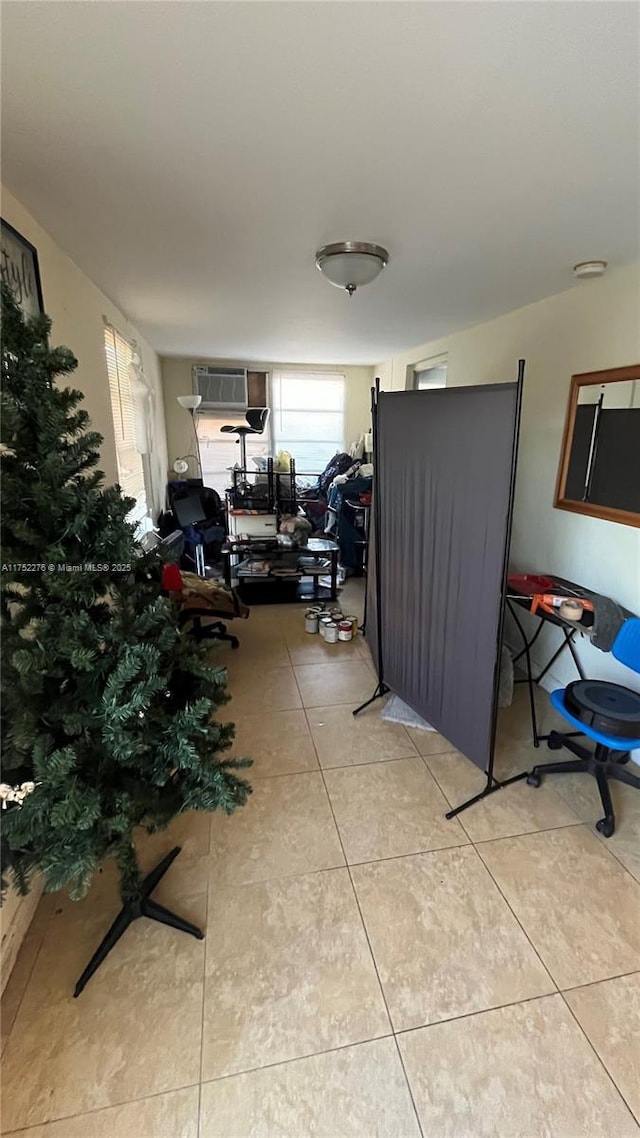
(19, 269)
(599, 468)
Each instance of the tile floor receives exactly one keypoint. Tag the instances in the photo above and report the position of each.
(370, 970)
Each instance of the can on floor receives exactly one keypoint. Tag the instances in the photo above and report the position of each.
(345, 630)
(323, 624)
(331, 632)
(311, 621)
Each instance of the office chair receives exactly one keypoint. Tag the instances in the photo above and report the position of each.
(199, 513)
(201, 604)
(256, 421)
(607, 713)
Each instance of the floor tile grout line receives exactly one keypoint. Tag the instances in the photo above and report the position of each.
(604, 980)
(599, 1058)
(444, 794)
(515, 917)
(465, 845)
(478, 1012)
(369, 762)
(414, 853)
(383, 994)
(371, 953)
(530, 833)
(393, 1034)
(349, 766)
(364, 928)
(503, 837)
(614, 855)
(292, 1059)
(98, 1109)
(204, 989)
(45, 930)
(321, 770)
(409, 1087)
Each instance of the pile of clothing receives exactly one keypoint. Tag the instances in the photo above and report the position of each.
(325, 505)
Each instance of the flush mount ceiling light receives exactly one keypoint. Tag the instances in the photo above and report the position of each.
(588, 269)
(351, 264)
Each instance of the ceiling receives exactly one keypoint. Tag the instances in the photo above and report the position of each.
(191, 157)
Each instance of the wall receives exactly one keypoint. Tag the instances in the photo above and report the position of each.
(77, 307)
(591, 326)
(177, 380)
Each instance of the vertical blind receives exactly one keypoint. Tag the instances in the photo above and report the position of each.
(308, 416)
(119, 355)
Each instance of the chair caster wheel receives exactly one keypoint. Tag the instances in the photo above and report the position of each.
(235, 643)
(606, 826)
(623, 760)
(533, 779)
(554, 744)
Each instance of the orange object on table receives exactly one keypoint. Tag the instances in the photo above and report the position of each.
(552, 601)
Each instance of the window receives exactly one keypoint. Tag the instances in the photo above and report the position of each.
(119, 355)
(430, 373)
(307, 411)
(220, 452)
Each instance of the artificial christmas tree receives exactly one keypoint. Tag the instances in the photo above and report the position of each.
(106, 707)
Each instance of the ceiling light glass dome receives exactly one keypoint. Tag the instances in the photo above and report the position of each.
(351, 264)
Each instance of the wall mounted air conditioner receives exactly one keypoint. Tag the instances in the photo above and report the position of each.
(221, 388)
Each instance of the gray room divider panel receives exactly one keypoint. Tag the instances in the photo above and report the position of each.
(443, 475)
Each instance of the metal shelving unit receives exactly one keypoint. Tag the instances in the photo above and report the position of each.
(308, 564)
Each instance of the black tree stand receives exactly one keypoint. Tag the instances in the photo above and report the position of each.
(140, 906)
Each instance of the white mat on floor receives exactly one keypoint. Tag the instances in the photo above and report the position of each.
(397, 711)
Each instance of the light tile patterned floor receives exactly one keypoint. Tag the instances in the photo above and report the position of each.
(370, 970)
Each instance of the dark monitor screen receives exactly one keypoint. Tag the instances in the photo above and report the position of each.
(172, 546)
(188, 510)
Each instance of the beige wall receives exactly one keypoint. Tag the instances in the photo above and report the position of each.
(591, 326)
(177, 380)
(77, 307)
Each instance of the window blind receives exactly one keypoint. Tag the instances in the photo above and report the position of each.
(308, 416)
(119, 354)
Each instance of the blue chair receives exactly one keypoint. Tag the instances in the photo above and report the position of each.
(607, 713)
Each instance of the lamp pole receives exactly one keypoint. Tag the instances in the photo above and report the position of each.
(191, 403)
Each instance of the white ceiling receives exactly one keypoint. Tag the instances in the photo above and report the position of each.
(191, 157)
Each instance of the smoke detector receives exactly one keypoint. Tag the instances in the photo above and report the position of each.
(587, 269)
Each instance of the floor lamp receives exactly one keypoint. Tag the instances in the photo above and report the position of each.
(191, 404)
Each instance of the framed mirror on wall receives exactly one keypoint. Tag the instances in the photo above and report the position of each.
(599, 471)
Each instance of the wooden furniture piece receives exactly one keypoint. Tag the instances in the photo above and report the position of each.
(599, 470)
